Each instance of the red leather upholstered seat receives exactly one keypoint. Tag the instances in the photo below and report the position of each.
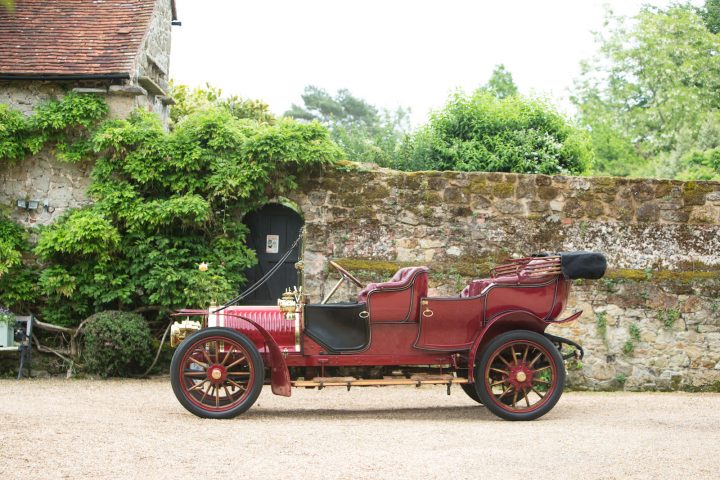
(398, 300)
(403, 278)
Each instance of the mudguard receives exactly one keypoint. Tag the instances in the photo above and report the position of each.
(513, 320)
(279, 373)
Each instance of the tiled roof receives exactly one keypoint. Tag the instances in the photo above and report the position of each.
(72, 37)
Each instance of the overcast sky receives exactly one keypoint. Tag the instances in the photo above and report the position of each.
(392, 52)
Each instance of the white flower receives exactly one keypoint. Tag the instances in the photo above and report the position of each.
(203, 267)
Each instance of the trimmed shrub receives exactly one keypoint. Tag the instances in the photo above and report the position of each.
(117, 344)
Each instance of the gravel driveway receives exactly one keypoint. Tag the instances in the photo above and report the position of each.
(136, 429)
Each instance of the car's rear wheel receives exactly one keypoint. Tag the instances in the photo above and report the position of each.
(520, 375)
(217, 373)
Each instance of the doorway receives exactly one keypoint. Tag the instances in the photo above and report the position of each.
(273, 229)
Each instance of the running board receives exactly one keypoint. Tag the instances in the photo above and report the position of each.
(348, 382)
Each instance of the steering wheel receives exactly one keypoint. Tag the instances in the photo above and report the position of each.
(346, 274)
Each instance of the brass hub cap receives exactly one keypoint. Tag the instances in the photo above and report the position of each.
(521, 377)
(217, 374)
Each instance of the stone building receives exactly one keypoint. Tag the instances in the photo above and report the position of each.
(119, 49)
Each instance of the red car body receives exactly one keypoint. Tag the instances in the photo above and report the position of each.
(395, 334)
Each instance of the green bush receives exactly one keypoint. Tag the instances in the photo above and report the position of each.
(117, 344)
(480, 132)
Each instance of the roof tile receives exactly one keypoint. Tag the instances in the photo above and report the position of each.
(72, 37)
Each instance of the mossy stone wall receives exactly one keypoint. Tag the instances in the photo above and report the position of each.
(652, 323)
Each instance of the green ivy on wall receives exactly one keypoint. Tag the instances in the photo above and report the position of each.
(163, 203)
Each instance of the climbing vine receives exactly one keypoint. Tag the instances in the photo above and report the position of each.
(164, 201)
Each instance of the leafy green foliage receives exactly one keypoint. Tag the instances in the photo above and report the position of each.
(501, 83)
(480, 132)
(601, 324)
(13, 129)
(650, 95)
(711, 15)
(634, 332)
(117, 344)
(18, 278)
(363, 132)
(164, 203)
(80, 233)
(668, 317)
(13, 239)
(64, 124)
(6, 316)
(701, 165)
(191, 100)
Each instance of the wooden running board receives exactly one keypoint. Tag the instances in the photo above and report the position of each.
(348, 382)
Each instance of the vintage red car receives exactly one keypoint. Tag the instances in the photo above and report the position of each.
(489, 339)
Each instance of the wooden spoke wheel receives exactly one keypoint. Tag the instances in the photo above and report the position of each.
(520, 375)
(217, 373)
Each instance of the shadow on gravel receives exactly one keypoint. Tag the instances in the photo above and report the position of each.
(428, 414)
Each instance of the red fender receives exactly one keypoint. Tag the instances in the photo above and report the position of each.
(280, 375)
(513, 320)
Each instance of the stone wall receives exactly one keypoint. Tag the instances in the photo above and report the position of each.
(652, 323)
(25, 96)
(43, 178)
(153, 60)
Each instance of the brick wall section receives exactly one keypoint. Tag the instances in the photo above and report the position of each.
(661, 239)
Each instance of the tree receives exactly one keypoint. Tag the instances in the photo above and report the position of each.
(652, 89)
(711, 15)
(363, 132)
(190, 100)
(481, 132)
(501, 83)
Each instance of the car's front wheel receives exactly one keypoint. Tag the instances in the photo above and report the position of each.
(217, 373)
(520, 375)
(469, 389)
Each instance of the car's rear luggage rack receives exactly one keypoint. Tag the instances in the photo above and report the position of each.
(529, 266)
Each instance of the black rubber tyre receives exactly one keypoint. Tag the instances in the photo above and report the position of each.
(217, 373)
(469, 388)
(509, 363)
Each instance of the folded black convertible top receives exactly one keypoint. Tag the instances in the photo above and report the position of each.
(590, 265)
